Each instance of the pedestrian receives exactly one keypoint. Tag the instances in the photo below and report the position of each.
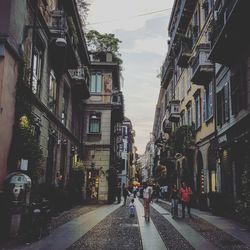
(147, 195)
(165, 191)
(124, 193)
(185, 197)
(118, 192)
(157, 191)
(132, 208)
(134, 191)
(174, 201)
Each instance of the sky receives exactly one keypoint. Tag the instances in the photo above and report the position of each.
(141, 25)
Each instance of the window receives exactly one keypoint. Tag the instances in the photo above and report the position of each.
(210, 106)
(196, 24)
(189, 79)
(172, 88)
(65, 102)
(197, 103)
(37, 72)
(182, 89)
(208, 102)
(189, 114)
(95, 123)
(52, 92)
(223, 105)
(96, 83)
(183, 122)
(206, 6)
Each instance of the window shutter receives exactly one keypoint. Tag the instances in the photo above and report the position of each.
(204, 106)
(219, 113)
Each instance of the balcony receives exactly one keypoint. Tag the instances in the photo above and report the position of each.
(184, 54)
(228, 36)
(174, 112)
(116, 98)
(202, 68)
(57, 24)
(167, 71)
(166, 126)
(80, 78)
(182, 17)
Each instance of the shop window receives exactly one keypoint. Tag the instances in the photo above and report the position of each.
(213, 179)
(96, 83)
(95, 123)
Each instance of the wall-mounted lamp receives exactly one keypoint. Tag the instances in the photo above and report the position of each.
(61, 42)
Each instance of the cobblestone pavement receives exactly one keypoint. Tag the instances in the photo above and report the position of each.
(71, 214)
(171, 237)
(220, 239)
(116, 231)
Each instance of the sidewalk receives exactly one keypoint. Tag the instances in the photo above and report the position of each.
(229, 226)
(196, 240)
(149, 234)
(65, 235)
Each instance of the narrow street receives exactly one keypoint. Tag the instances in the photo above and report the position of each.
(110, 227)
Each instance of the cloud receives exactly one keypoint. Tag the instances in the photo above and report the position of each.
(152, 45)
(111, 15)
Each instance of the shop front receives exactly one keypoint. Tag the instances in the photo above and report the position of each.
(92, 185)
(233, 163)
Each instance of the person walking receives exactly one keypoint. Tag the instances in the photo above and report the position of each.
(132, 208)
(147, 195)
(157, 191)
(165, 192)
(134, 191)
(118, 192)
(124, 193)
(174, 201)
(185, 197)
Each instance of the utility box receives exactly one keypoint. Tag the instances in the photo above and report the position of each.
(17, 189)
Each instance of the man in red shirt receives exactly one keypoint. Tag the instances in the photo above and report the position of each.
(185, 197)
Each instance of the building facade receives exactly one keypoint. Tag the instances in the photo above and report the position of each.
(103, 111)
(44, 82)
(205, 78)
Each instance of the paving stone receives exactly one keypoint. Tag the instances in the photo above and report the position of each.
(116, 231)
(71, 214)
(219, 238)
